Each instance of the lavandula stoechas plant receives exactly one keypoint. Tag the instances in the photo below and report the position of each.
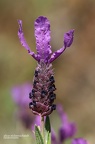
(42, 95)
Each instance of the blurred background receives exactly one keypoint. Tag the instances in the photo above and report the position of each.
(74, 70)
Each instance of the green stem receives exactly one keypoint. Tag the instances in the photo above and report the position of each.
(42, 126)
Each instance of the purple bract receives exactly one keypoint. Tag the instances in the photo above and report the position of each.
(42, 35)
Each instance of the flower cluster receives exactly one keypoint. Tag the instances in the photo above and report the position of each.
(42, 95)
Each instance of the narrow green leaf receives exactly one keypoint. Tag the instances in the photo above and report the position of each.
(39, 139)
(47, 131)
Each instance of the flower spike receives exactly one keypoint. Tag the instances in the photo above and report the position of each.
(43, 93)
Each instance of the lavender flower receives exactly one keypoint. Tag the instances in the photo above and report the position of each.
(79, 141)
(42, 95)
(67, 129)
(19, 94)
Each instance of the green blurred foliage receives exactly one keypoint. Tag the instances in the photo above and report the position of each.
(74, 70)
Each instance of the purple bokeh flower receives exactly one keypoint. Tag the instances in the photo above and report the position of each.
(54, 137)
(79, 141)
(42, 35)
(20, 94)
(67, 129)
(20, 97)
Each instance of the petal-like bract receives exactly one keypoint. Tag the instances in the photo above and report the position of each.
(42, 34)
(23, 41)
(68, 39)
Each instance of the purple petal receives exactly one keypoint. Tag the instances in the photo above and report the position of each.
(79, 141)
(42, 34)
(68, 39)
(23, 41)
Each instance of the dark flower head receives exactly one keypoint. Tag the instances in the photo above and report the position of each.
(42, 35)
(79, 141)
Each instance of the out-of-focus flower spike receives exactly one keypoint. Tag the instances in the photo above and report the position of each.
(53, 137)
(68, 39)
(79, 141)
(20, 97)
(23, 41)
(67, 129)
(19, 94)
(61, 113)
